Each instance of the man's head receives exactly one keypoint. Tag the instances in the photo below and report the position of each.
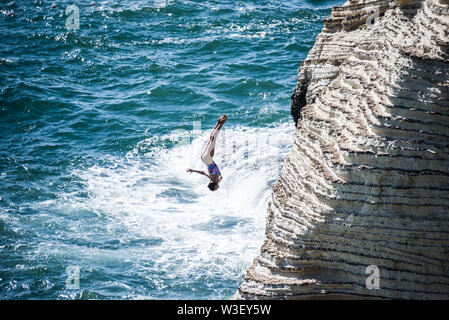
(213, 186)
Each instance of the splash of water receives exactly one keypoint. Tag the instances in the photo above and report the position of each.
(185, 230)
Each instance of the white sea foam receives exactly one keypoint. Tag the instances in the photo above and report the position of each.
(149, 195)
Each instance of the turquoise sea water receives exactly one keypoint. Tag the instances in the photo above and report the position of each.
(99, 124)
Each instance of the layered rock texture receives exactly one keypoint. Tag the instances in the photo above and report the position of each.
(367, 180)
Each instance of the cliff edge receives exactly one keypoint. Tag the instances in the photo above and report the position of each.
(361, 209)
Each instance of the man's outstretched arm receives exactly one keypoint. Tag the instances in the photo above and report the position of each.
(197, 171)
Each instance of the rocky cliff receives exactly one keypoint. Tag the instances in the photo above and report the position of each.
(361, 209)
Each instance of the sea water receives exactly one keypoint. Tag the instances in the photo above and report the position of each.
(103, 107)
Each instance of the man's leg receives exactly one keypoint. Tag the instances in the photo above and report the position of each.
(209, 151)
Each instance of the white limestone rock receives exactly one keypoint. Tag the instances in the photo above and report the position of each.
(367, 179)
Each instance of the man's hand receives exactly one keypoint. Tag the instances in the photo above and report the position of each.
(189, 170)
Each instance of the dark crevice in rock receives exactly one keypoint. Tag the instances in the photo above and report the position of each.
(299, 101)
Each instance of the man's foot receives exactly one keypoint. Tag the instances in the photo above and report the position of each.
(222, 119)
